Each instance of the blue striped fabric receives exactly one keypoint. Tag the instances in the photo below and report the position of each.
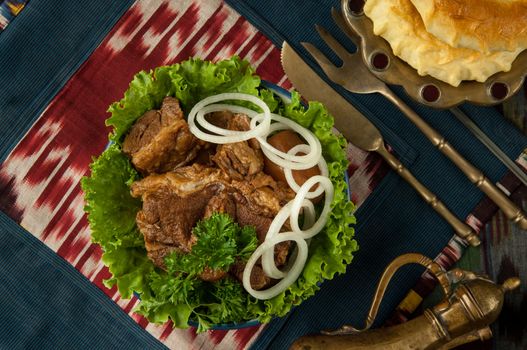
(9, 9)
(46, 304)
(44, 47)
(394, 219)
(40, 51)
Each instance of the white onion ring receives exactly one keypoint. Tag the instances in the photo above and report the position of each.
(279, 220)
(230, 138)
(311, 139)
(322, 165)
(270, 151)
(300, 197)
(287, 164)
(287, 160)
(217, 107)
(268, 264)
(293, 273)
(309, 215)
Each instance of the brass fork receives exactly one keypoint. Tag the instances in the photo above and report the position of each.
(356, 77)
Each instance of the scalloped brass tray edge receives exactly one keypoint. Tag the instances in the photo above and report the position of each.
(496, 89)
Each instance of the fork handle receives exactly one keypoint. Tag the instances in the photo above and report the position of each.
(511, 210)
(461, 229)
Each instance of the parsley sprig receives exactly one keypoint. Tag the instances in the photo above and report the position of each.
(220, 243)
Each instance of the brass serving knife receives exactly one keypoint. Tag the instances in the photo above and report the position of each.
(358, 130)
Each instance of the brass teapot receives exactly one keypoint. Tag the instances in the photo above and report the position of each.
(470, 305)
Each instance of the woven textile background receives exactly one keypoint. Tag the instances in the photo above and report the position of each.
(39, 181)
(39, 178)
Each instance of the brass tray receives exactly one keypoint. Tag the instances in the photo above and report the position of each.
(379, 58)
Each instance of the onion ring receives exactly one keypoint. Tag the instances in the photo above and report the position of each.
(322, 165)
(268, 264)
(217, 107)
(293, 273)
(300, 197)
(287, 160)
(223, 139)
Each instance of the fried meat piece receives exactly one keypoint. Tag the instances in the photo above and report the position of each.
(174, 146)
(248, 213)
(148, 126)
(182, 181)
(160, 140)
(169, 218)
(259, 280)
(240, 159)
(173, 203)
(221, 203)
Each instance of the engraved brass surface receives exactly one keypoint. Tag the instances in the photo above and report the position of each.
(470, 305)
(400, 73)
(365, 81)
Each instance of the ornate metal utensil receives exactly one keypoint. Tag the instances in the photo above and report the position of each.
(470, 304)
(358, 130)
(364, 81)
(378, 57)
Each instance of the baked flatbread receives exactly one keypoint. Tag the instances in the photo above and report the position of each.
(399, 23)
(482, 25)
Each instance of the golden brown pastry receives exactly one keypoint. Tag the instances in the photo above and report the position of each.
(482, 25)
(399, 23)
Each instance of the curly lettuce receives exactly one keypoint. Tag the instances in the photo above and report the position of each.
(111, 210)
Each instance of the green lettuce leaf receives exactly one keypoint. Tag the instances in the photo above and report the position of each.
(110, 207)
(189, 81)
(111, 214)
(111, 210)
(129, 267)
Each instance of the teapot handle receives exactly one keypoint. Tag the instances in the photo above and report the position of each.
(410, 258)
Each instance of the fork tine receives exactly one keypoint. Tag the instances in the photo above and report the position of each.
(327, 66)
(332, 42)
(341, 23)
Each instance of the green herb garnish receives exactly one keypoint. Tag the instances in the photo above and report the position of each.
(220, 242)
